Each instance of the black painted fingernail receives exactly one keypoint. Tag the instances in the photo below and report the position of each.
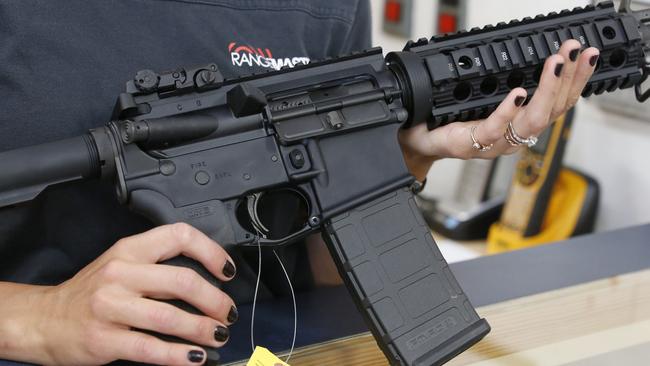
(221, 334)
(196, 356)
(573, 55)
(558, 69)
(233, 315)
(593, 60)
(229, 269)
(519, 101)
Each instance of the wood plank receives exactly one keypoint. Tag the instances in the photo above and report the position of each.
(519, 324)
(558, 315)
(626, 345)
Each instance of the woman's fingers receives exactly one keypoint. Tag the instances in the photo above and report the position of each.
(167, 319)
(570, 51)
(172, 282)
(140, 347)
(538, 112)
(562, 80)
(491, 130)
(168, 241)
(455, 140)
(585, 67)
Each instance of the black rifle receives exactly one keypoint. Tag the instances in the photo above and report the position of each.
(191, 146)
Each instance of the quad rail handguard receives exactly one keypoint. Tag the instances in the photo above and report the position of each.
(472, 71)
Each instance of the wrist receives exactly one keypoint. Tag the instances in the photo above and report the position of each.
(418, 164)
(21, 328)
(417, 151)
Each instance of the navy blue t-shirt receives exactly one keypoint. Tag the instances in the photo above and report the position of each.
(62, 65)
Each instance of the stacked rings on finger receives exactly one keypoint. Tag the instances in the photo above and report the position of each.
(477, 145)
(514, 139)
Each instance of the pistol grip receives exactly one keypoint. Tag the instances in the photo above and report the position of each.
(400, 282)
(211, 352)
(160, 210)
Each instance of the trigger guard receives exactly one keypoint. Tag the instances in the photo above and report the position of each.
(266, 221)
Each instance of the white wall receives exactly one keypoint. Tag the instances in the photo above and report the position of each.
(612, 148)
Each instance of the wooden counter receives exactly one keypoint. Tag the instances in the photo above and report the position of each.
(591, 324)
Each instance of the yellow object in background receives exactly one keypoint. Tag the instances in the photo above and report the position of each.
(562, 215)
(546, 202)
(263, 357)
(534, 180)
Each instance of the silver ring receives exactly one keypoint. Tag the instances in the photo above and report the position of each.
(477, 145)
(514, 139)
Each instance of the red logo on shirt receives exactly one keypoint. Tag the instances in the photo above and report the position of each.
(232, 47)
(246, 55)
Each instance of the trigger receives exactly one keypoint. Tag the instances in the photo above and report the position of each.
(251, 205)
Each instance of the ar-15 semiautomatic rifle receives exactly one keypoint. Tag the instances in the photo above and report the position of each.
(191, 146)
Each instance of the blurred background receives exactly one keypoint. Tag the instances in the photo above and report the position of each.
(609, 139)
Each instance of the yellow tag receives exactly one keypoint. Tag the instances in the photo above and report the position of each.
(263, 357)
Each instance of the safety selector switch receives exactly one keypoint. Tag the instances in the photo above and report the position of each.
(297, 158)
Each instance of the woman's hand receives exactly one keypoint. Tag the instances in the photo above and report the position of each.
(563, 79)
(89, 319)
